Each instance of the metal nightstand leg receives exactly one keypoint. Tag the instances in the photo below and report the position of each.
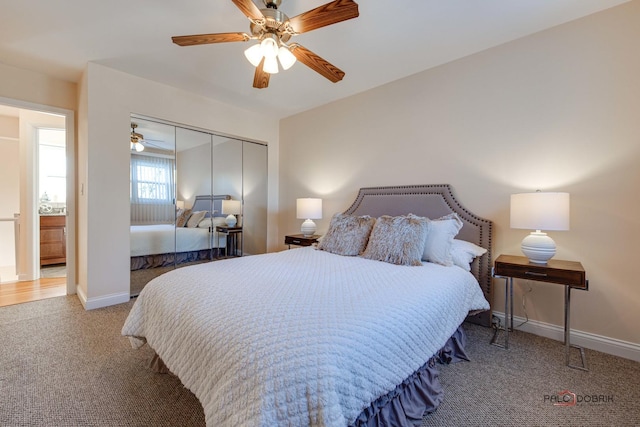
(567, 334)
(508, 314)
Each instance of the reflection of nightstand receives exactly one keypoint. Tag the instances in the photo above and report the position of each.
(300, 240)
(232, 239)
(567, 273)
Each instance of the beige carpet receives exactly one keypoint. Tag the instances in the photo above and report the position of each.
(139, 278)
(63, 366)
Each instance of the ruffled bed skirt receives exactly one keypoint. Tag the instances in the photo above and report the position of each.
(405, 405)
(163, 260)
(419, 394)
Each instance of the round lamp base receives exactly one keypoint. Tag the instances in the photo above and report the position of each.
(308, 228)
(538, 247)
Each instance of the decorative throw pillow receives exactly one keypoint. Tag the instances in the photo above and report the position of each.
(347, 234)
(397, 240)
(195, 219)
(182, 218)
(463, 253)
(437, 247)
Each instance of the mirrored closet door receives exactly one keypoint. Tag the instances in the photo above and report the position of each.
(196, 196)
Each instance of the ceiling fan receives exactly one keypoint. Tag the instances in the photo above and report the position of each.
(274, 29)
(136, 139)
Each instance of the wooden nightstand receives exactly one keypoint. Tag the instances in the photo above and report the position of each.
(570, 274)
(300, 240)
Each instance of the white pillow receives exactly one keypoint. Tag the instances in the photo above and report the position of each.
(437, 247)
(463, 253)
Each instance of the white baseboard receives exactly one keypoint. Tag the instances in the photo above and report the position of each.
(613, 346)
(104, 301)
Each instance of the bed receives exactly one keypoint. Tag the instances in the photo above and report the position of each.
(159, 245)
(312, 337)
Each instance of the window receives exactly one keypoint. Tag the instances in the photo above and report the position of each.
(151, 180)
(52, 161)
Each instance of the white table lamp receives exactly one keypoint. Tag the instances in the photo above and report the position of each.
(231, 208)
(308, 209)
(539, 211)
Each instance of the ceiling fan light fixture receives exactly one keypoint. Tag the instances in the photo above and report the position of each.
(254, 54)
(270, 65)
(269, 46)
(135, 139)
(287, 59)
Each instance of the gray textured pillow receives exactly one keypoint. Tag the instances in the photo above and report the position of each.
(398, 240)
(347, 234)
(195, 219)
(183, 216)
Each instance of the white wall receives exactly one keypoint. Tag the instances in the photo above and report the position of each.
(557, 110)
(9, 191)
(107, 99)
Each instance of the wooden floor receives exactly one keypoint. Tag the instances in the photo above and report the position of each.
(19, 292)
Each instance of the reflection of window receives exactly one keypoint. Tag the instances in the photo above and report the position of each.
(52, 164)
(151, 180)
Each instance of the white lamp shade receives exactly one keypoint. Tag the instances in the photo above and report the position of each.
(309, 208)
(269, 47)
(540, 211)
(180, 204)
(231, 207)
(287, 59)
(254, 54)
(270, 65)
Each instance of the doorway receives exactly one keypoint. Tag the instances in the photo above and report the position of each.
(31, 136)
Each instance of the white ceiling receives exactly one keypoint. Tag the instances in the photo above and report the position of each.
(388, 41)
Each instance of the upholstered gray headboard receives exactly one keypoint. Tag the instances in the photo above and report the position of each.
(433, 201)
(210, 203)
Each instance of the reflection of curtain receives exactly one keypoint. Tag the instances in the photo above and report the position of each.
(152, 190)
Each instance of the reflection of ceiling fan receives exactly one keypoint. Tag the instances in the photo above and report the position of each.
(274, 29)
(136, 139)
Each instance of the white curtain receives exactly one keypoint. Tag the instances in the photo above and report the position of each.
(152, 190)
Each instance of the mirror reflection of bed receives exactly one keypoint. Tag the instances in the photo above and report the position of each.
(178, 183)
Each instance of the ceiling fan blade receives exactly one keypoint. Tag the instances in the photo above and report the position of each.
(210, 38)
(330, 13)
(249, 8)
(261, 77)
(316, 63)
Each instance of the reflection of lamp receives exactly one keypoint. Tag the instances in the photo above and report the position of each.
(180, 204)
(231, 208)
(539, 211)
(268, 48)
(308, 209)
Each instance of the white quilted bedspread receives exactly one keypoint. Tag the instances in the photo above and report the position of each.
(300, 337)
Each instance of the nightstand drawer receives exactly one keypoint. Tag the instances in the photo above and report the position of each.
(289, 240)
(562, 272)
(300, 240)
